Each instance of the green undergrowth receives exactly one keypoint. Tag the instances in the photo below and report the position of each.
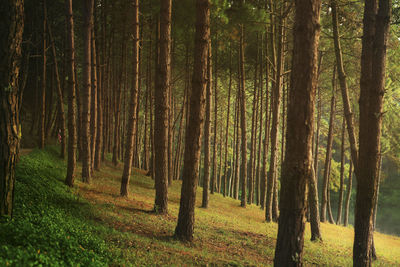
(50, 225)
(91, 225)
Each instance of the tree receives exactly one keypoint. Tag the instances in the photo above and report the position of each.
(86, 99)
(130, 130)
(297, 167)
(69, 180)
(12, 25)
(372, 84)
(276, 102)
(161, 110)
(242, 98)
(42, 116)
(207, 132)
(185, 226)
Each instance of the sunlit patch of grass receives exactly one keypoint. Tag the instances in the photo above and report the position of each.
(225, 233)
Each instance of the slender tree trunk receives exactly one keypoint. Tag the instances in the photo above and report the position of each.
(12, 25)
(214, 172)
(99, 134)
(348, 195)
(243, 119)
(72, 138)
(118, 99)
(276, 102)
(325, 186)
(161, 110)
(226, 189)
(237, 142)
(133, 104)
(261, 111)
(44, 77)
(372, 83)
(94, 96)
(86, 157)
(253, 135)
(264, 174)
(207, 132)
(185, 226)
(313, 183)
(59, 93)
(297, 167)
(342, 159)
(146, 154)
(343, 84)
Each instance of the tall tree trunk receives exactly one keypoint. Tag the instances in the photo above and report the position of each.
(207, 132)
(146, 152)
(130, 130)
(372, 83)
(343, 84)
(253, 135)
(237, 141)
(118, 99)
(276, 102)
(342, 159)
(100, 94)
(161, 110)
(43, 93)
(59, 93)
(12, 25)
(297, 167)
(313, 182)
(86, 99)
(243, 169)
(325, 185)
(227, 124)
(264, 174)
(72, 138)
(185, 226)
(94, 96)
(261, 112)
(214, 172)
(348, 195)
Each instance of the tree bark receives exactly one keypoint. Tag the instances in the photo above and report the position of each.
(42, 116)
(243, 169)
(86, 99)
(253, 134)
(94, 95)
(297, 167)
(161, 108)
(130, 131)
(342, 159)
(276, 102)
(343, 84)
(12, 25)
(60, 102)
(372, 83)
(227, 122)
(214, 172)
(207, 132)
(348, 195)
(72, 138)
(328, 157)
(185, 226)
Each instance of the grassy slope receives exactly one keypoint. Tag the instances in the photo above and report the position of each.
(92, 225)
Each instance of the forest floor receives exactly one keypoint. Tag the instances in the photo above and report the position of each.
(91, 225)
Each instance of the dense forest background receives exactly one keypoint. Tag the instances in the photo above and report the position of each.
(113, 24)
(286, 109)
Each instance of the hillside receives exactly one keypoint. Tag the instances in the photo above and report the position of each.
(91, 225)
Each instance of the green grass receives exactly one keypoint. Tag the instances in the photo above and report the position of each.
(91, 225)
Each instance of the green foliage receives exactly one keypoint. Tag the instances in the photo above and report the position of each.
(50, 224)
